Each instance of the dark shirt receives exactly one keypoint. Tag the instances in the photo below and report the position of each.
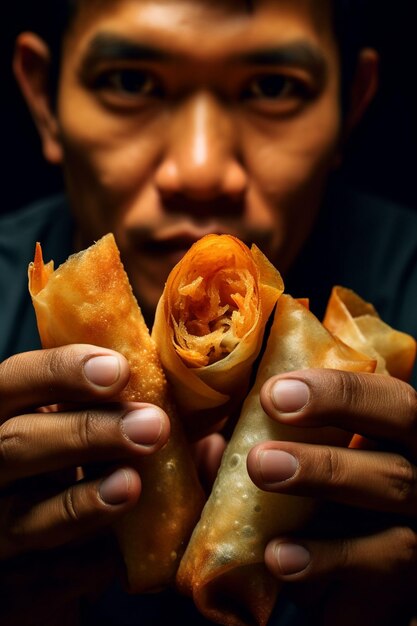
(368, 245)
(358, 242)
(50, 223)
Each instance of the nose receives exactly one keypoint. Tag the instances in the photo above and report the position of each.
(201, 158)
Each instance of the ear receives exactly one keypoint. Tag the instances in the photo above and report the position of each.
(364, 87)
(31, 65)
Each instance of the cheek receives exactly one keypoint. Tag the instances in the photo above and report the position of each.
(285, 155)
(113, 154)
(117, 166)
(107, 171)
(293, 156)
(289, 164)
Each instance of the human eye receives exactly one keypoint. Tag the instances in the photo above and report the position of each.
(127, 86)
(277, 92)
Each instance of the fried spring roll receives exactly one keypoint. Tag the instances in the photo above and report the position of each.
(358, 324)
(209, 326)
(223, 567)
(88, 299)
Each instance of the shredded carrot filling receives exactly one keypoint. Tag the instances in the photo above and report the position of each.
(212, 315)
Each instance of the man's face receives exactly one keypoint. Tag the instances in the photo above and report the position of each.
(181, 118)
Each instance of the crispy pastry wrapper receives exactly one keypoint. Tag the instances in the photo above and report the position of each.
(223, 567)
(358, 324)
(88, 299)
(209, 326)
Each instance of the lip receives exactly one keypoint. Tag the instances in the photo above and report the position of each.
(188, 232)
(176, 239)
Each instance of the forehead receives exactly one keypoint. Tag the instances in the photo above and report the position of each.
(205, 21)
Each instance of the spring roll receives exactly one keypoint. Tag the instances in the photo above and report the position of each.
(89, 299)
(223, 567)
(209, 326)
(358, 324)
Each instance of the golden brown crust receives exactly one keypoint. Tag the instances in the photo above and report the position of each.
(223, 566)
(209, 326)
(358, 324)
(89, 300)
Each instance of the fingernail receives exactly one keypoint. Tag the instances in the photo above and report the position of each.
(102, 370)
(143, 426)
(115, 488)
(289, 396)
(276, 465)
(291, 558)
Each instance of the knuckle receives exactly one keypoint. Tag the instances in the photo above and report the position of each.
(409, 399)
(338, 394)
(330, 467)
(10, 442)
(38, 376)
(344, 555)
(86, 427)
(62, 364)
(349, 385)
(406, 546)
(70, 509)
(404, 482)
(6, 368)
(54, 362)
(14, 368)
(97, 430)
(81, 506)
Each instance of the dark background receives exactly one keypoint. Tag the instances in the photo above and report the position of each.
(382, 157)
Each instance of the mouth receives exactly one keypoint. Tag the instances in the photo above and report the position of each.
(174, 240)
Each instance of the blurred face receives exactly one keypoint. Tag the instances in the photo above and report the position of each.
(179, 118)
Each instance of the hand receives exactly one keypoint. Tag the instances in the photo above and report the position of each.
(44, 505)
(357, 564)
(207, 454)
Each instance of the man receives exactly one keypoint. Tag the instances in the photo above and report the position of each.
(171, 120)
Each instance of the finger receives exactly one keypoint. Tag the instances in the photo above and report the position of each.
(46, 377)
(39, 443)
(337, 474)
(207, 453)
(373, 405)
(69, 515)
(379, 570)
(389, 553)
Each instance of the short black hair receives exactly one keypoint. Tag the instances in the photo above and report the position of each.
(349, 18)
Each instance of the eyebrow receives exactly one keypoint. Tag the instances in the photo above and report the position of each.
(108, 46)
(300, 54)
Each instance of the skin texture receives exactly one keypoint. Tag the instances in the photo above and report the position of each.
(201, 149)
(47, 509)
(97, 306)
(223, 567)
(163, 150)
(352, 552)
